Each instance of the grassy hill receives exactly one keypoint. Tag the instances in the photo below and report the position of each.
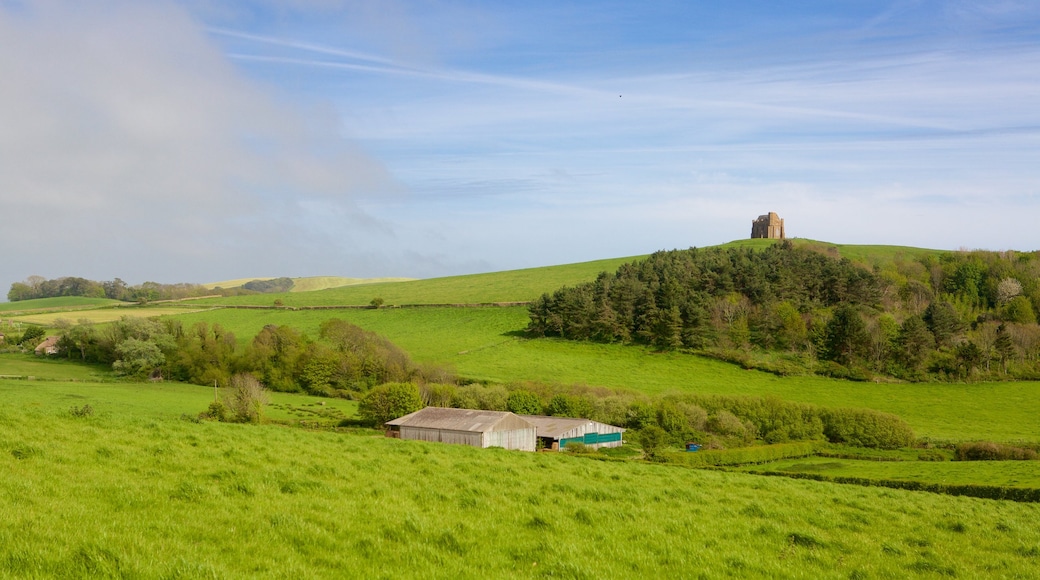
(308, 284)
(136, 491)
(508, 286)
(526, 284)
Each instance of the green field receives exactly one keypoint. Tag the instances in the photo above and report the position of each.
(1006, 473)
(509, 286)
(63, 303)
(481, 343)
(134, 491)
(308, 284)
(28, 365)
(103, 315)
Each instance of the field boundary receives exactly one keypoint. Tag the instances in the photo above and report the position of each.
(995, 492)
(370, 307)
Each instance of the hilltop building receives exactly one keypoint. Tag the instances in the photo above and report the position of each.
(768, 226)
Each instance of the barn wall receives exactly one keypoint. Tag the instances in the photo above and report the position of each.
(442, 436)
(522, 439)
(582, 434)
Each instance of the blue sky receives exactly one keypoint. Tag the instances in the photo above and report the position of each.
(202, 140)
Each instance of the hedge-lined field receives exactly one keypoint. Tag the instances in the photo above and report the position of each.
(482, 343)
(1005, 473)
(66, 302)
(155, 496)
(508, 286)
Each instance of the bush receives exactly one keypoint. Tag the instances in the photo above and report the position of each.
(866, 428)
(32, 335)
(84, 411)
(246, 398)
(524, 403)
(989, 451)
(216, 411)
(744, 455)
(652, 438)
(389, 401)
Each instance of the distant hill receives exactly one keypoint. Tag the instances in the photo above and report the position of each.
(307, 284)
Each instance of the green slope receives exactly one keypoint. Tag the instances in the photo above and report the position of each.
(508, 286)
(148, 495)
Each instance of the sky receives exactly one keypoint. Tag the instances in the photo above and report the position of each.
(205, 140)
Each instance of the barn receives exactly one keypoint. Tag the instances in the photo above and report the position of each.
(557, 432)
(466, 427)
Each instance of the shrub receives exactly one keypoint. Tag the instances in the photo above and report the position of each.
(216, 411)
(866, 428)
(652, 438)
(31, 335)
(524, 403)
(246, 398)
(389, 401)
(84, 411)
(989, 451)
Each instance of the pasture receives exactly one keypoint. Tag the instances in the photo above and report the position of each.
(509, 286)
(103, 315)
(69, 303)
(143, 493)
(483, 344)
(1004, 473)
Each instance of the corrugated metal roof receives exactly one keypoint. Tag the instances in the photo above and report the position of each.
(556, 426)
(461, 420)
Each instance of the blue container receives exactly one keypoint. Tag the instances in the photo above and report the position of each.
(691, 447)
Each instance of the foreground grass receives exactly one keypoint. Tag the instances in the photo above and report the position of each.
(152, 496)
(1005, 473)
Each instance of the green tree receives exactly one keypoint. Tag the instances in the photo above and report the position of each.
(524, 402)
(914, 342)
(138, 358)
(652, 438)
(943, 322)
(1004, 346)
(846, 337)
(32, 335)
(389, 401)
(1019, 310)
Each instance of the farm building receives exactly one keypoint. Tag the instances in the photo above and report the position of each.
(557, 432)
(466, 427)
(48, 347)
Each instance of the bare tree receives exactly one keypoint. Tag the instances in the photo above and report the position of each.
(246, 398)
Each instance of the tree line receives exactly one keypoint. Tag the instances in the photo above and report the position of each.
(39, 287)
(344, 360)
(792, 308)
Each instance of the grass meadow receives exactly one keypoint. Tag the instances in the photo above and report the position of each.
(508, 286)
(103, 315)
(1005, 473)
(482, 344)
(64, 302)
(148, 495)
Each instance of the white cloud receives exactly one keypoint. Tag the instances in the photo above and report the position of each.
(131, 147)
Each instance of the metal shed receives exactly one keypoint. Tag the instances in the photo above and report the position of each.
(557, 432)
(465, 426)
